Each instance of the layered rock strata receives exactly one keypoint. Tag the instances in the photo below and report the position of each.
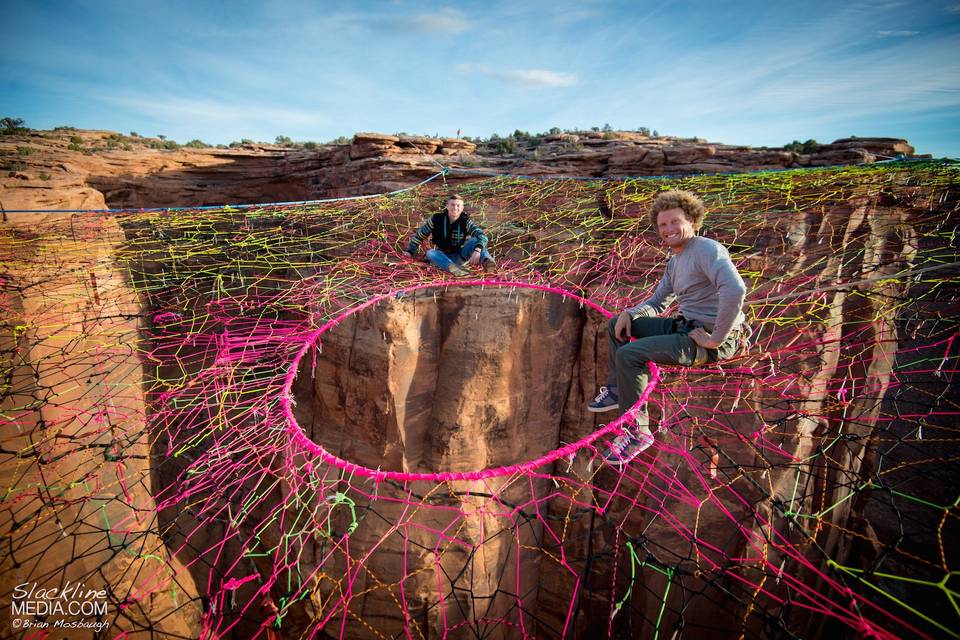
(43, 171)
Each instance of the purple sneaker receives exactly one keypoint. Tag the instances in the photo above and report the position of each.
(628, 446)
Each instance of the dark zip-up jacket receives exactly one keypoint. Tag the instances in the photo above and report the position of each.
(445, 235)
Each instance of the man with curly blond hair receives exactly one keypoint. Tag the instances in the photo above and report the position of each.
(709, 327)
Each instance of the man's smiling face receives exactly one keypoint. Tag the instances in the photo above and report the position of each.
(675, 228)
(454, 208)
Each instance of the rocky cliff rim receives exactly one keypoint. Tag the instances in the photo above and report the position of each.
(306, 446)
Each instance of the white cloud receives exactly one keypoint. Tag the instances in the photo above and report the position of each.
(446, 21)
(873, 6)
(530, 78)
(897, 34)
(443, 22)
(536, 77)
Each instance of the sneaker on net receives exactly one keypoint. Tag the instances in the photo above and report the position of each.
(606, 400)
(488, 264)
(628, 446)
(457, 270)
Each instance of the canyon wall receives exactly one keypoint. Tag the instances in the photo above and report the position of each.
(455, 379)
(79, 508)
(52, 175)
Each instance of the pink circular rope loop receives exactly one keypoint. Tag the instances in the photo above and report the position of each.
(299, 438)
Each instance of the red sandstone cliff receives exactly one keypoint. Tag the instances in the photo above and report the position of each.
(42, 169)
(393, 415)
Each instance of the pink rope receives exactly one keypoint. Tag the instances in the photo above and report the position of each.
(299, 438)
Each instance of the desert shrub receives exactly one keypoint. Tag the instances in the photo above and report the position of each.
(810, 146)
(12, 126)
(76, 140)
(75, 146)
(24, 151)
(283, 141)
(164, 144)
(14, 165)
(44, 176)
(507, 145)
(570, 147)
(197, 144)
(310, 145)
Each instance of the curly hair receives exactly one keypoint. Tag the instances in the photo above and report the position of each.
(691, 204)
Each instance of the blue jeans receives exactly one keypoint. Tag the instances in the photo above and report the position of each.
(443, 260)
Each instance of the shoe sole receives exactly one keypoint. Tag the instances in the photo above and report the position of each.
(620, 462)
(601, 409)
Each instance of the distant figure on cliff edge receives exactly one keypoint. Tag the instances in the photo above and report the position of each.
(710, 326)
(456, 240)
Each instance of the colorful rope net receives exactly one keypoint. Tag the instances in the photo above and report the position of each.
(199, 416)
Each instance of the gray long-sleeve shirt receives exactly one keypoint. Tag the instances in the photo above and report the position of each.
(706, 284)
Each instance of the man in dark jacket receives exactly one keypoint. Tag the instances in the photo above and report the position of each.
(456, 240)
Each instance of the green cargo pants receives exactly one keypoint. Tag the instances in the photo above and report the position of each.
(660, 340)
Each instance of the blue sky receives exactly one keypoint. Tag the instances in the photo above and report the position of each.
(758, 73)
